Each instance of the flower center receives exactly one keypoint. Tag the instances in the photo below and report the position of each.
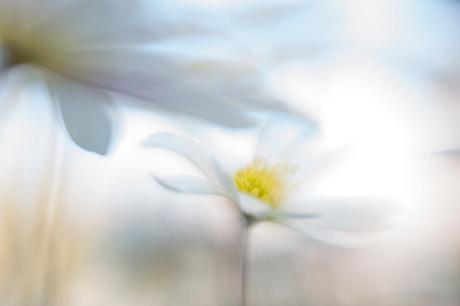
(264, 182)
(23, 49)
(14, 54)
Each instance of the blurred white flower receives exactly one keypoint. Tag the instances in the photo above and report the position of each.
(42, 244)
(269, 186)
(89, 50)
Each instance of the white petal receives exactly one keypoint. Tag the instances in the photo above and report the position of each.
(279, 133)
(217, 90)
(119, 47)
(298, 22)
(354, 214)
(31, 138)
(193, 151)
(88, 114)
(107, 22)
(253, 207)
(294, 215)
(189, 184)
(313, 163)
(331, 236)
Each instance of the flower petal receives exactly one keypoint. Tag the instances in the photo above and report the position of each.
(192, 151)
(189, 184)
(31, 137)
(253, 207)
(87, 113)
(105, 22)
(279, 133)
(353, 214)
(294, 215)
(330, 236)
(214, 89)
(122, 47)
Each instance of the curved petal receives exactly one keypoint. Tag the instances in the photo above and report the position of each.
(294, 215)
(327, 235)
(128, 48)
(87, 113)
(221, 90)
(31, 137)
(193, 152)
(253, 207)
(298, 20)
(279, 135)
(12, 83)
(354, 214)
(189, 184)
(103, 22)
(313, 163)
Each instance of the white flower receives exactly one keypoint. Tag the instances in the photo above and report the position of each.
(88, 50)
(42, 243)
(268, 187)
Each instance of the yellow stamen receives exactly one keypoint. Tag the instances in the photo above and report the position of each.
(264, 182)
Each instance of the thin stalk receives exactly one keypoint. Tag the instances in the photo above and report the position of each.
(246, 223)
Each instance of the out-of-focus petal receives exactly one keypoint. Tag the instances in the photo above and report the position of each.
(30, 134)
(313, 163)
(253, 207)
(355, 214)
(88, 114)
(86, 23)
(135, 53)
(293, 215)
(193, 152)
(222, 90)
(278, 136)
(189, 184)
(122, 47)
(280, 31)
(331, 236)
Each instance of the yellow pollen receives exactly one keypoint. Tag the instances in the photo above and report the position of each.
(262, 181)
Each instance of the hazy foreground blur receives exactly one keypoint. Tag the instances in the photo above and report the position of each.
(382, 77)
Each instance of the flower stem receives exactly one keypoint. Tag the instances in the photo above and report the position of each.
(246, 223)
